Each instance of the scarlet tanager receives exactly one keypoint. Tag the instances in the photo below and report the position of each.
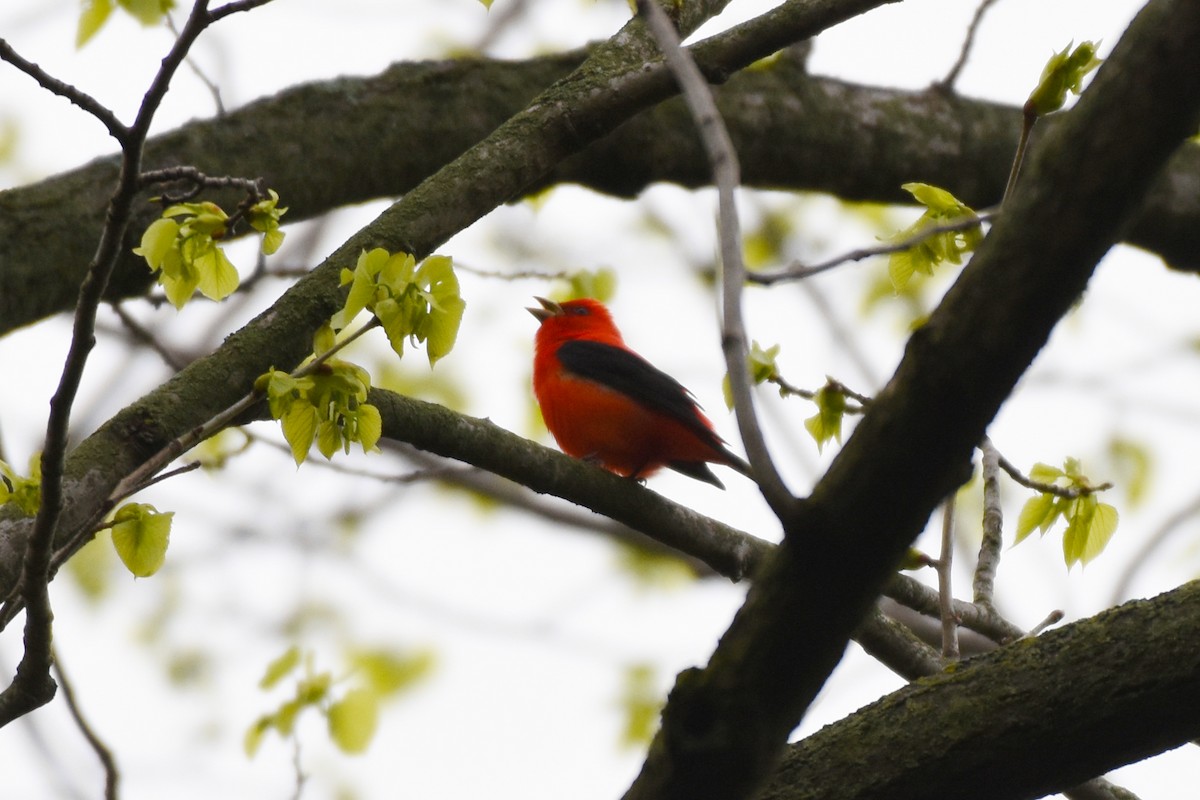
(606, 404)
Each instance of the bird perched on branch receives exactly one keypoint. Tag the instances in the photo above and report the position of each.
(606, 404)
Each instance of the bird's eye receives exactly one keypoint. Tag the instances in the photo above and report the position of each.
(580, 311)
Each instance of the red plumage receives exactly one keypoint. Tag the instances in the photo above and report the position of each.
(604, 403)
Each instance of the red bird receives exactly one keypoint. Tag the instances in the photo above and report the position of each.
(606, 404)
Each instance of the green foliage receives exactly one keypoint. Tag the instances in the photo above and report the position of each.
(1134, 467)
(351, 718)
(421, 303)
(329, 406)
(140, 534)
(1063, 73)
(827, 423)
(25, 493)
(641, 704)
(762, 365)
(941, 208)
(96, 12)
(185, 254)
(182, 246)
(600, 284)
(264, 217)
(1090, 523)
(91, 567)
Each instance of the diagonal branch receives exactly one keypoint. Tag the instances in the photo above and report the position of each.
(725, 726)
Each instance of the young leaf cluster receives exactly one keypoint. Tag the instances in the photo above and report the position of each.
(25, 493)
(763, 368)
(1090, 523)
(421, 303)
(182, 247)
(941, 208)
(328, 406)
(826, 424)
(352, 716)
(1063, 73)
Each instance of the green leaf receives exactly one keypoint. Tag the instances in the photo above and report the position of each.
(254, 734)
(264, 216)
(24, 493)
(1039, 511)
(599, 284)
(353, 720)
(95, 13)
(157, 242)
(1044, 473)
(369, 427)
(140, 534)
(299, 423)
(1103, 526)
(1090, 527)
(324, 339)
(280, 667)
(1135, 465)
(217, 276)
(387, 672)
(329, 438)
(941, 208)
(1063, 73)
(827, 423)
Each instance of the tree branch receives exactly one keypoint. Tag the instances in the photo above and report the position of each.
(1067, 703)
(724, 726)
(791, 131)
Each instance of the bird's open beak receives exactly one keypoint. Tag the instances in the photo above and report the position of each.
(549, 309)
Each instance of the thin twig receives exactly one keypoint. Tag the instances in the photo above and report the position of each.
(945, 569)
(1065, 492)
(112, 776)
(76, 96)
(136, 480)
(947, 83)
(990, 547)
(143, 336)
(33, 685)
(797, 271)
(724, 162)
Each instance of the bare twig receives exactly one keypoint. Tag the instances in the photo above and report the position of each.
(76, 96)
(143, 336)
(140, 478)
(947, 83)
(33, 685)
(1053, 618)
(723, 159)
(1065, 492)
(112, 776)
(1169, 526)
(797, 271)
(993, 526)
(945, 570)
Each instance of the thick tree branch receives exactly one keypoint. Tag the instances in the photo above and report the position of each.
(724, 726)
(791, 130)
(1075, 702)
(613, 85)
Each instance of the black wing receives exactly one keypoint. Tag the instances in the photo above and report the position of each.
(637, 379)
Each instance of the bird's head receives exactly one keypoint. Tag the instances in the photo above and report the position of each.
(584, 318)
